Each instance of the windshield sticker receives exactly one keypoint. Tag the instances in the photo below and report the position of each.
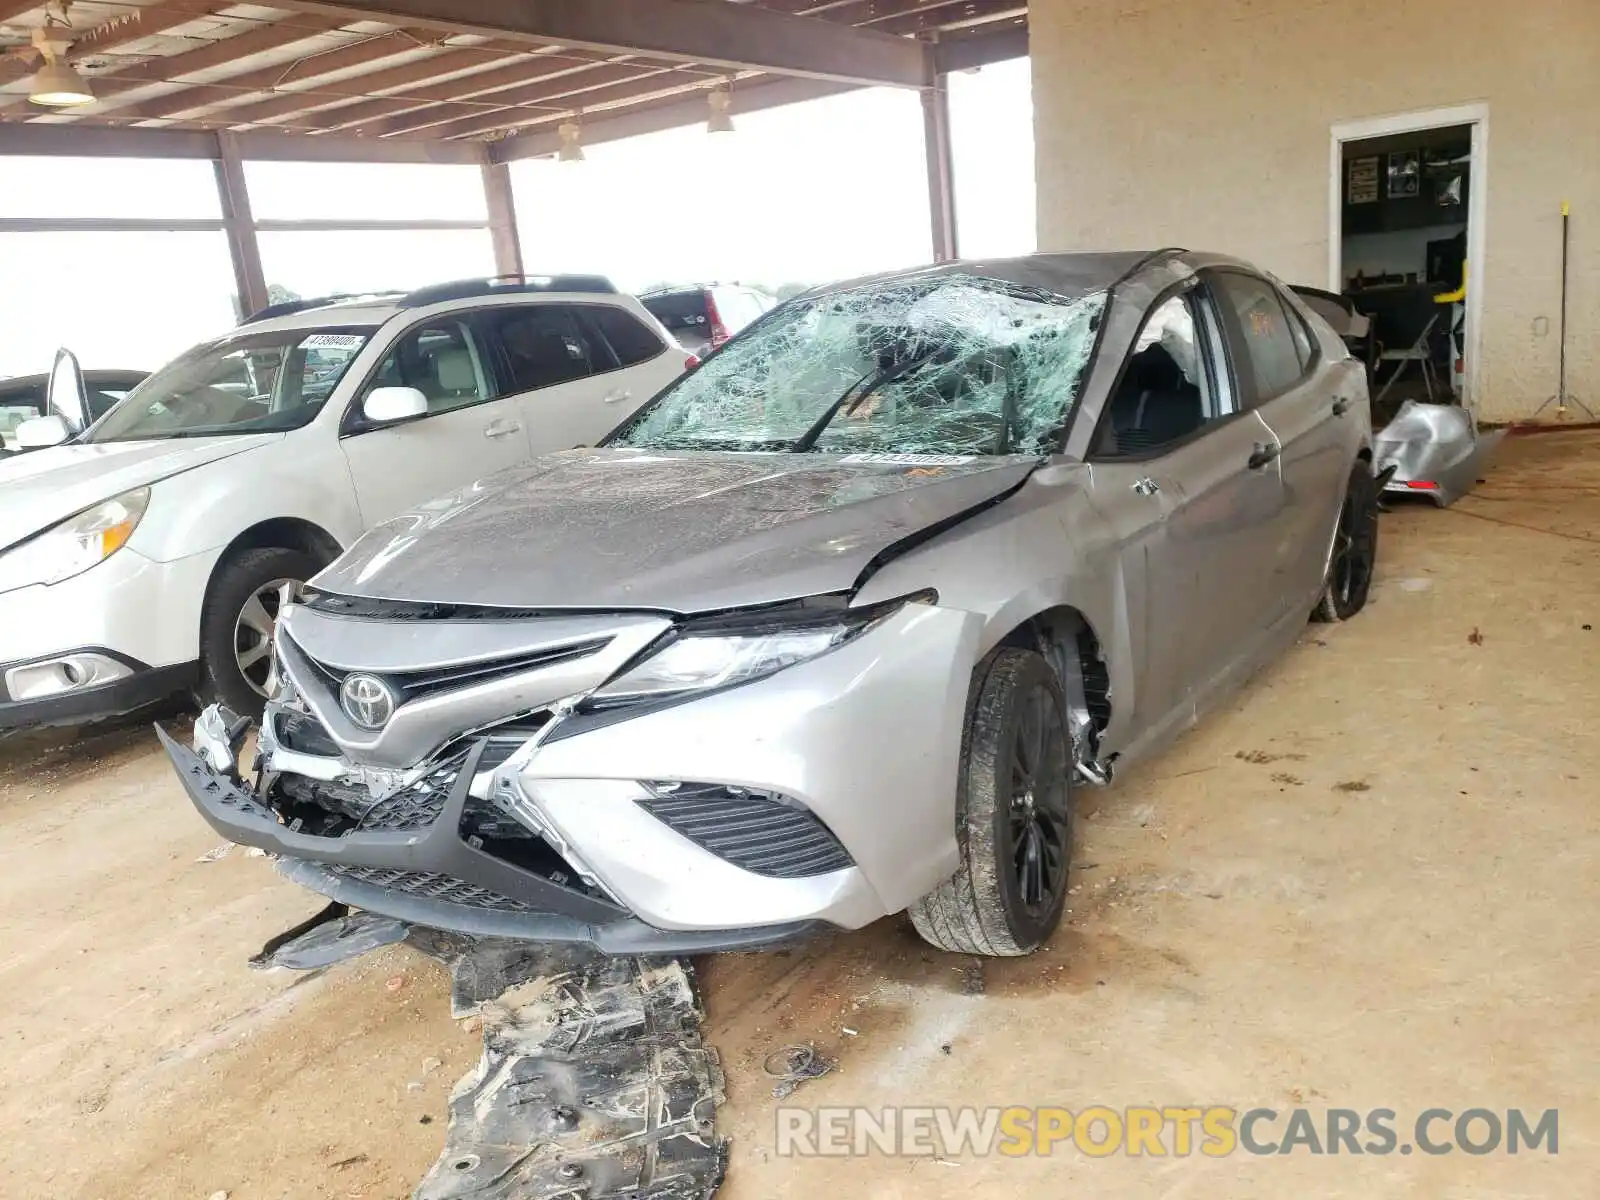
(907, 460)
(333, 341)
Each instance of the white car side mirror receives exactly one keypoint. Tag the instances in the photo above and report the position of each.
(39, 432)
(386, 405)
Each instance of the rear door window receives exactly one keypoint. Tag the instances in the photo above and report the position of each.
(630, 340)
(1270, 359)
(542, 345)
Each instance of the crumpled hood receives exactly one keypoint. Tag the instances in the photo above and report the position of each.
(43, 487)
(678, 532)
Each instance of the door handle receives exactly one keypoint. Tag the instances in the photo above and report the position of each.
(618, 396)
(1341, 405)
(1146, 486)
(500, 429)
(1262, 455)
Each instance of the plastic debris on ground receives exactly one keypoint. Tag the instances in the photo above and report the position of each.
(793, 1065)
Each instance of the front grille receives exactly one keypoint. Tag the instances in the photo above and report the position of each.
(427, 885)
(414, 685)
(414, 807)
(752, 830)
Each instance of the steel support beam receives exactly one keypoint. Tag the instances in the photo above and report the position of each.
(102, 141)
(980, 48)
(502, 218)
(941, 169)
(747, 98)
(249, 282)
(732, 36)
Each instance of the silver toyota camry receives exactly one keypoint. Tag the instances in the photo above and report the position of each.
(833, 628)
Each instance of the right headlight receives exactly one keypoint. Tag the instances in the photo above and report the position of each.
(726, 651)
(74, 545)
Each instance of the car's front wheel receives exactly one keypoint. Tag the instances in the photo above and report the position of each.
(1355, 550)
(1013, 816)
(247, 594)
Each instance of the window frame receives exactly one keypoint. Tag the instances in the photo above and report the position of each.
(598, 331)
(600, 345)
(1238, 347)
(1208, 326)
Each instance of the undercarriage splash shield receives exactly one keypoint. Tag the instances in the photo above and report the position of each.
(593, 1083)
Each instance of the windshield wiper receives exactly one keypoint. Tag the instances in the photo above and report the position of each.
(856, 394)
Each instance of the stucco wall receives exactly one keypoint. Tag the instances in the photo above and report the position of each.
(1206, 123)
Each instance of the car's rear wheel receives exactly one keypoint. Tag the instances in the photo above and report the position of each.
(1355, 551)
(247, 594)
(1013, 816)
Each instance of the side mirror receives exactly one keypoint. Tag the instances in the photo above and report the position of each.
(386, 405)
(67, 397)
(39, 432)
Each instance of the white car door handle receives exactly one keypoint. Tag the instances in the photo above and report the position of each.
(618, 396)
(500, 429)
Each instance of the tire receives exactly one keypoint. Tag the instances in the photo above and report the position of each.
(225, 635)
(1355, 551)
(985, 908)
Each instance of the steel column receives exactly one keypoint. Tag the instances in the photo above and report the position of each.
(250, 284)
(941, 169)
(502, 218)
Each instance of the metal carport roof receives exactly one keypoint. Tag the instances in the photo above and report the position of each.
(465, 81)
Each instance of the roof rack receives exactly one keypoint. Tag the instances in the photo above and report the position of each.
(502, 285)
(284, 307)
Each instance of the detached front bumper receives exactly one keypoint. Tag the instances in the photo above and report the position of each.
(822, 796)
(399, 875)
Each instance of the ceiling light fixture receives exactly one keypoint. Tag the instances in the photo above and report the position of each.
(56, 84)
(720, 120)
(571, 135)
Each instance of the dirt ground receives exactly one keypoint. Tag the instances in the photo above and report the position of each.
(1370, 882)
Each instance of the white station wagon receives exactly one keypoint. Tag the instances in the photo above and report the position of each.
(150, 554)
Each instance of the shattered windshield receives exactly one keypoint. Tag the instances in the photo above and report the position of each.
(956, 364)
(260, 382)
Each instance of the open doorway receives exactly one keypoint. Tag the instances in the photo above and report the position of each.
(1405, 242)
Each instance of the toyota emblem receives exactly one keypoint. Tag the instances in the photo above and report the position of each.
(367, 700)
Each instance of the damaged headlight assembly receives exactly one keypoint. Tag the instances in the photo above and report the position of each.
(74, 545)
(716, 653)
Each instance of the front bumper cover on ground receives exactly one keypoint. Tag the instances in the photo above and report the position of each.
(431, 877)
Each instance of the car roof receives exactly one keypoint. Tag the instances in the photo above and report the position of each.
(1066, 274)
(91, 375)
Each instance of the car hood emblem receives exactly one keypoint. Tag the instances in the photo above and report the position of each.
(367, 700)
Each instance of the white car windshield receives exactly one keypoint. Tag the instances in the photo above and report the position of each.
(261, 382)
(954, 364)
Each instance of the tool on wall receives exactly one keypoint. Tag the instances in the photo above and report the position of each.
(1561, 399)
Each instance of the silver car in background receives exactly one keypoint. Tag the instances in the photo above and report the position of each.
(833, 628)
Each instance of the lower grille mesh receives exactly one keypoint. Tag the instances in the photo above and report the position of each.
(430, 886)
(751, 830)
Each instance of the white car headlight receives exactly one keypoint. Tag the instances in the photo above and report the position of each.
(725, 652)
(74, 545)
